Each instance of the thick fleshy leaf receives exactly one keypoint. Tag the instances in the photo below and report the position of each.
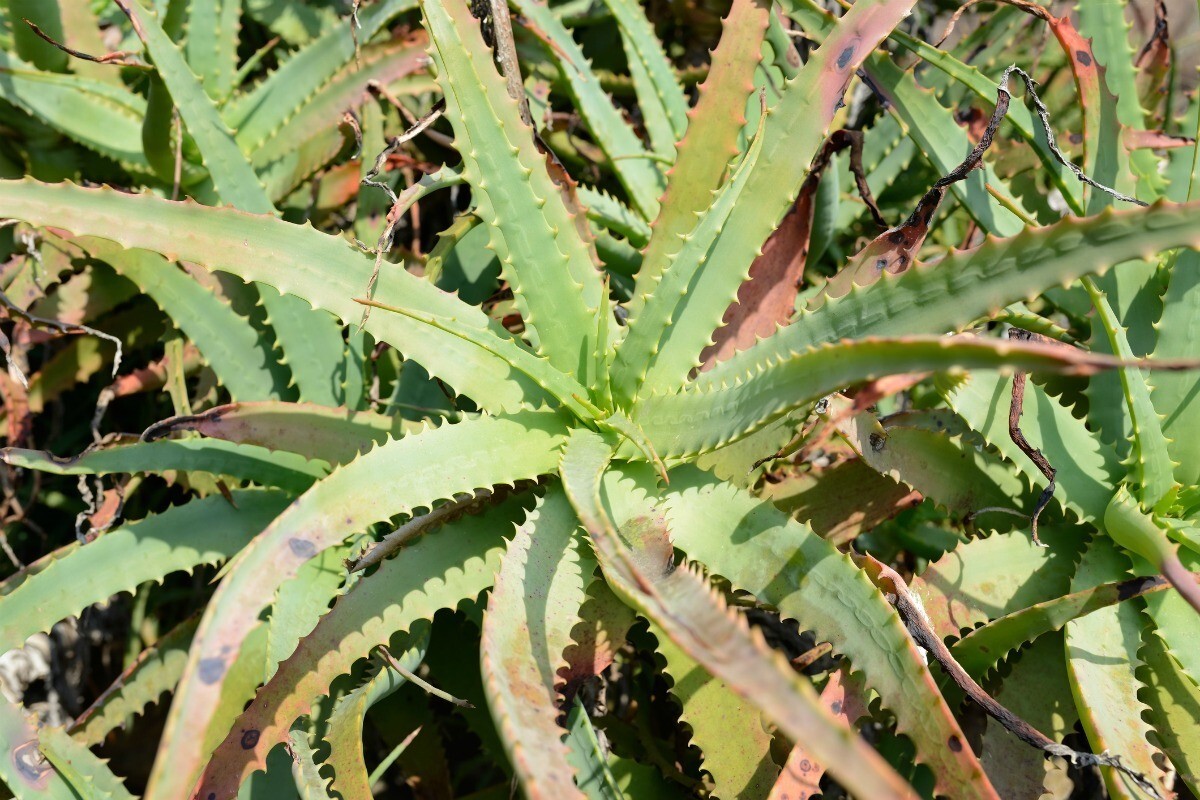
(203, 531)
(526, 629)
(345, 730)
(639, 563)
(1102, 656)
(430, 576)
(794, 130)
(241, 462)
(710, 142)
(786, 566)
(532, 230)
(421, 470)
(335, 435)
(963, 287)
(697, 420)
(326, 271)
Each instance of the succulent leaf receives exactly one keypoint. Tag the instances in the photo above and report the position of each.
(434, 465)
(433, 577)
(533, 231)
(526, 628)
(680, 600)
(788, 567)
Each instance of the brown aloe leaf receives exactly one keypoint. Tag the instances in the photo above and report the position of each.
(801, 777)
(767, 300)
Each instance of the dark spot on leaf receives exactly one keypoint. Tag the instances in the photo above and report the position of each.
(250, 738)
(1083, 58)
(955, 744)
(212, 796)
(1076, 138)
(302, 548)
(836, 706)
(845, 56)
(902, 259)
(880, 264)
(877, 442)
(896, 237)
(1134, 587)
(29, 761)
(211, 669)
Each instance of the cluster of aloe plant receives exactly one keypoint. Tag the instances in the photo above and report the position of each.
(664, 472)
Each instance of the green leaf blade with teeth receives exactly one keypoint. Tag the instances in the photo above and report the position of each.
(345, 730)
(791, 136)
(299, 329)
(1150, 466)
(336, 436)
(634, 165)
(402, 596)
(698, 420)
(238, 461)
(656, 323)
(104, 118)
(83, 770)
(230, 345)
(533, 232)
(212, 43)
(659, 94)
(534, 605)
(154, 672)
(638, 561)
(260, 113)
(326, 271)
(204, 531)
(787, 567)
(963, 287)
(710, 141)
(431, 466)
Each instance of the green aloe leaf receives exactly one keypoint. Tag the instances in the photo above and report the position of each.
(639, 563)
(334, 435)
(426, 468)
(1102, 657)
(238, 461)
(23, 769)
(154, 672)
(345, 730)
(710, 142)
(213, 29)
(963, 287)
(733, 741)
(326, 271)
(205, 531)
(660, 97)
(793, 132)
(697, 420)
(402, 596)
(783, 564)
(1085, 488)
(634, 165)
(527, 626)
(102, 117)
(87, 774)
(533, 231)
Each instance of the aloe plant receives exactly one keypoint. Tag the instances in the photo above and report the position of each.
(565, 438)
